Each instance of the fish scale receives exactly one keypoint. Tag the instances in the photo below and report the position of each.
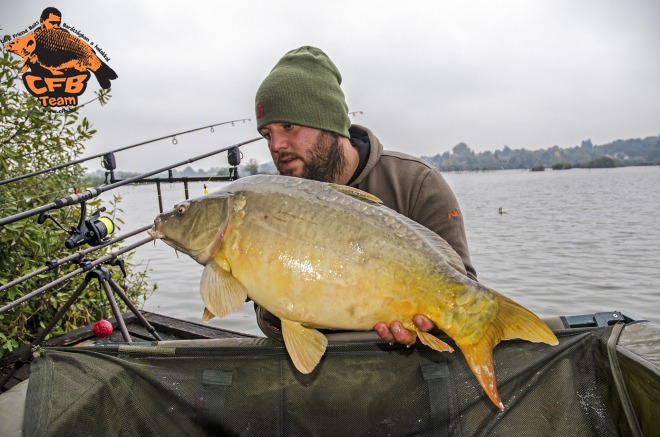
(60, 40)
(320, 255)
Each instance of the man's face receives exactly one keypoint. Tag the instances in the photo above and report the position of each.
(304, 152)
(53, 21)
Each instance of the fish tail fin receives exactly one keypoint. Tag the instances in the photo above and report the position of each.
(104, 74)
(515, 321)
(479, 357)
(511, 321)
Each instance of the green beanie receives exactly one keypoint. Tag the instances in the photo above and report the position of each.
(304, 89)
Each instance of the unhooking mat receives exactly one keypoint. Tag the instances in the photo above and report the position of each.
(359, 389)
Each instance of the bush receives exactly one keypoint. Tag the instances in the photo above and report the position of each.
(33, 137)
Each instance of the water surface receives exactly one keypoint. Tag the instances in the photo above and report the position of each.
(568, 242)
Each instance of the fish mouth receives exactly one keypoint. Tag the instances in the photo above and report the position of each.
(155, 233)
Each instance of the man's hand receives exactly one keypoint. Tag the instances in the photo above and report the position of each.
(396, 331)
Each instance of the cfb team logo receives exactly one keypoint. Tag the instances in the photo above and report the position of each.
(59, 62)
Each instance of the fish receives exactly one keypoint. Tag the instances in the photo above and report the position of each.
(326, 256)
(56, 50)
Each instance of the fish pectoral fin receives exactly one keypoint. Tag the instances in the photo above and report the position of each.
(305, 346)
(358, 194)
(479, 357)
(221, 292)
(433, 342)
(207, 315)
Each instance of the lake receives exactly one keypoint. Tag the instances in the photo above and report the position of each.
(567, 242)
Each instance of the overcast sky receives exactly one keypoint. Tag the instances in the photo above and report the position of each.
(426, 74)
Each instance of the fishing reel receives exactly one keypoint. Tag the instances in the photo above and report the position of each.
(93, 231)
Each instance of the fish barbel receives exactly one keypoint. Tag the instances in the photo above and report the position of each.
(320, 255)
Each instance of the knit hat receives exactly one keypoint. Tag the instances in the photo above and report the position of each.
(304, 89)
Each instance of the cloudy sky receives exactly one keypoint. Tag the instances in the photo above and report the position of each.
(426, 74)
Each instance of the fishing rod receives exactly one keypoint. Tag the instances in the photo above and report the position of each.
(85, 267)
(99, 155)
(51, 265)
(92, 192)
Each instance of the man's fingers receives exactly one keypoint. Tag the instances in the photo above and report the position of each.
(384, 331)
(401, 334)
(423, 323)
(396, 332)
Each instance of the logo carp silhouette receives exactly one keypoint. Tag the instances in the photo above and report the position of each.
(59, 62)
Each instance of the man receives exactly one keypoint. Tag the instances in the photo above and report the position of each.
(302, 113)
(50, 18)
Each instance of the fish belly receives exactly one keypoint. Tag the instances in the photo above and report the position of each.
(325, 266)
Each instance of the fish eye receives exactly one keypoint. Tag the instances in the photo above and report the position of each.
(181, 209)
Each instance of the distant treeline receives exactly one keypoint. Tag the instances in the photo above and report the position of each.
(618, 153)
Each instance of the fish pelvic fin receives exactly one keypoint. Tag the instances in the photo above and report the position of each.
(511, 321)
(207, 315)
(433, 342)
(221, 292)
(305, 346)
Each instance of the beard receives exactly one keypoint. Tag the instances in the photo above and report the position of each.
(325, 161)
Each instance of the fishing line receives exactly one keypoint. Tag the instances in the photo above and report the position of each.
(96, 191)
(99, 155)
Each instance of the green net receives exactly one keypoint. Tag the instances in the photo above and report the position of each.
(359, 389)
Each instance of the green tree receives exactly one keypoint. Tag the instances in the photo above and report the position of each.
(252, 166)
(33, 137)
(462, 150)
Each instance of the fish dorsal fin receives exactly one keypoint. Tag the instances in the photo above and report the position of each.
(221, 292)
(305, 346)
(358, 194)
(207, 315)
